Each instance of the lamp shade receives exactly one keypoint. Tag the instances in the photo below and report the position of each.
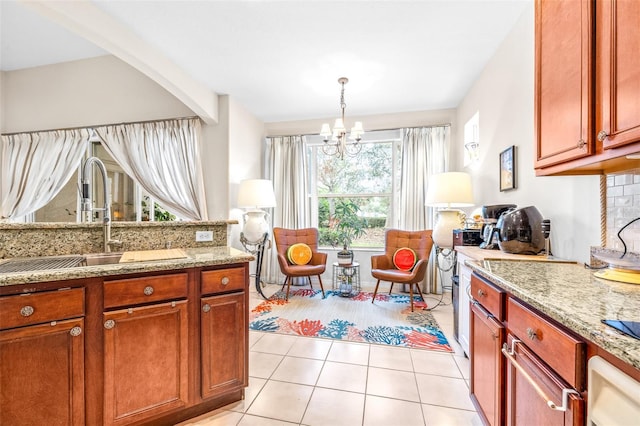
(450, 189)
(256, 193)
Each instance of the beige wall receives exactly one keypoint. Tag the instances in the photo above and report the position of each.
(503, 94)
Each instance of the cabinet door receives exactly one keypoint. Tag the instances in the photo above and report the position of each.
(618, 44)
(42, 374)
(563, 81)
(224, 344)
(527, 377)
(487, 365)
(146, 365)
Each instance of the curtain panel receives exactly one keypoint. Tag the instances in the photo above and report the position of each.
(425, 151)
(287, 166)
(34, 167)
(163, 157)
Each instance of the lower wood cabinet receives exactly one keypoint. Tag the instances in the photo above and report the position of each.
(146, 368)
(42, 374)
(223, 344)
(487, 365)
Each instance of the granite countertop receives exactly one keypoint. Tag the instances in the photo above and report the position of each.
(570, 294)
(197, 257)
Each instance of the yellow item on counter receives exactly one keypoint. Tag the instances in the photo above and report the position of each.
(629, 277)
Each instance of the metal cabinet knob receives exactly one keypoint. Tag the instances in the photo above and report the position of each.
(26, 311)
(148, 290)
(75, 331)
(531, 333)
(602, 135)
(109, 324)
(225, 280)
(481, 293)
(581, 143)
(206, 308)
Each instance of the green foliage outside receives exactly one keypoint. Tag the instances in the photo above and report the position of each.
(339, 223)
(159, 214)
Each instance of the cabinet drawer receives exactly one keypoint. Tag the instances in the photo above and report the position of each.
(35, 308)
(135, 291)
(561, 351)
(222, 280)
(490, 297)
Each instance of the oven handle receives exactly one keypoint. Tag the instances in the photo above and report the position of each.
(510, 355)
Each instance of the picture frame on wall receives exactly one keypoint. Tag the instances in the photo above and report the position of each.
(508, 169)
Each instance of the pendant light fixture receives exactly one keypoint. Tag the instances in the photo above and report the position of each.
(335, 141)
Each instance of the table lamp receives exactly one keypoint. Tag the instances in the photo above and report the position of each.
(450, 189)
(254, 194)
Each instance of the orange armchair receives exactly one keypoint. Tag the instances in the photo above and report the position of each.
(382, 266)
(285, 238)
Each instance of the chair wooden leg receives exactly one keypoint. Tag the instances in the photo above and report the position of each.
(411, 296)
(310, 284)
(420, 292)
(375, 292)
(288, 282)
(391, 288)
(321, 286)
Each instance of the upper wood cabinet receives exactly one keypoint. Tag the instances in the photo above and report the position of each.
(563, 81)
(587, 86)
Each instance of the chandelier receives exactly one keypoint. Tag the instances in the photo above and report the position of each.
(338, 144)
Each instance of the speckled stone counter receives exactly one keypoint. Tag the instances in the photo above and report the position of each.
(197, 257)
(570, 294)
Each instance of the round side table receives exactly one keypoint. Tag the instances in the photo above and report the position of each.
(346, 278)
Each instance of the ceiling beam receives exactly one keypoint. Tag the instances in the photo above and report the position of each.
(88, 21)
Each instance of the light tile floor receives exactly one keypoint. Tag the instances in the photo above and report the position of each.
(308, 381)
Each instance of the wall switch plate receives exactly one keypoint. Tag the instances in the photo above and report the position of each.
(204, 235)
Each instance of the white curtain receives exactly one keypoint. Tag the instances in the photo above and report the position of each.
(287, 167)
(35, 167)
(425, 151)
(164, 158)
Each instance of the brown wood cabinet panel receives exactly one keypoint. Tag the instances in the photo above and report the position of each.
(223, 280)
(487, 365)
(618, 72)
(135, 291)
(37, 308)
(223, 344)
(42, 374)
(146, 362)
(563, 81)
(490, 297)
(563, 352)
(525, 407)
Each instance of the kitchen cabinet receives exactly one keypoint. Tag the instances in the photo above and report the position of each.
(536, 376)
(145, 362)
(587, 86)
(464, 277)
(42, 358)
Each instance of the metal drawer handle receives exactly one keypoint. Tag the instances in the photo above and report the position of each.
(510, 354)
(75, 331)
(109, 324)
(225, 280)
(26, 311)
(531, 333)
(148, 290)
(602, 135)
(206, 308)
(481, 293)
(581, 143)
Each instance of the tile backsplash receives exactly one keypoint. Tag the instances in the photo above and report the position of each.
(623, 206)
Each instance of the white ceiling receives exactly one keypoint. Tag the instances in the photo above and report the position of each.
(282, 59)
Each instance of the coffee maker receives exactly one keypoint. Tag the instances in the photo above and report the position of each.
(490, 216)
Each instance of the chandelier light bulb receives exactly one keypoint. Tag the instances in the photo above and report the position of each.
(338, 144)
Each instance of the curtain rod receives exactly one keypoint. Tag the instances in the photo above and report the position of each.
(376, 130)
(102, 125)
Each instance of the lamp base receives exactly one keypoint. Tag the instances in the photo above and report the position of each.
(255, 225)
(448, 220)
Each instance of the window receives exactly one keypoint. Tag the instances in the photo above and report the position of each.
(353, 197)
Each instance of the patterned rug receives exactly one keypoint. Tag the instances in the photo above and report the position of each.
(388, 321)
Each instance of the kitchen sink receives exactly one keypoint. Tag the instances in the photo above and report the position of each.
(92, 259)
(28, 264)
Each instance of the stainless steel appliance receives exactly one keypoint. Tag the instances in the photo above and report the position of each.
(520, 231)
(490, 215)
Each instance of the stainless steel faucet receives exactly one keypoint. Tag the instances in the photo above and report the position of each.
(87, 204)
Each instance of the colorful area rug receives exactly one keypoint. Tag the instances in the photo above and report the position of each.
(388, 321)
